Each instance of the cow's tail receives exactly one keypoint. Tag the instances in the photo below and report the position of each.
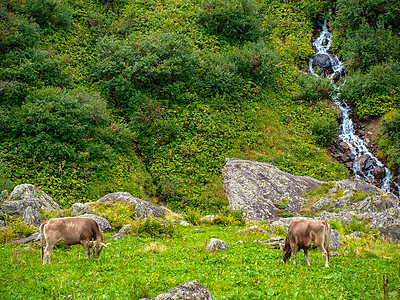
(328, 238)
(41, 240)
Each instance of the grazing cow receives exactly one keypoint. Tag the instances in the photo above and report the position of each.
(72, 231)
(305, 234)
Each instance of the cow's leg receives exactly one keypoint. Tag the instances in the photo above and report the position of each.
(46, 255)
(306, 256)
(294, 250)
(325, 255)
(86, 246)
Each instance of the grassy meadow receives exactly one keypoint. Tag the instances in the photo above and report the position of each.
(136, 267)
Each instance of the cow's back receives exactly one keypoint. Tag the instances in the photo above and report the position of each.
(71, 230)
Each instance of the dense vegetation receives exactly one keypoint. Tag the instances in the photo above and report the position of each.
(150, 97)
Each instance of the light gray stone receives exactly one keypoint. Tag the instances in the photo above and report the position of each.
(335, 241)
(185, 224)
(104, 224)
(322, 204)
(208, 218)
(33, 238)
(126, 229)
(78, 209)
(32, 217)
(285, 222)
(25, 195)
(187, 291)
(142, 209)
(255, 187)
(217, 245)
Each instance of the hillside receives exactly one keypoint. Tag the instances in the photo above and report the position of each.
(151, 97)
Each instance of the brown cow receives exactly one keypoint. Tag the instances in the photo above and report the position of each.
(305, 234)
(72, 231)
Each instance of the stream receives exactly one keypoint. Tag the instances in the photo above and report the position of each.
(364, 162)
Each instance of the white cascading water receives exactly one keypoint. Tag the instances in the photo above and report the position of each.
(346, 132)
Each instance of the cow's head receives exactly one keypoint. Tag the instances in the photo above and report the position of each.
(286, 252)
(97, 247)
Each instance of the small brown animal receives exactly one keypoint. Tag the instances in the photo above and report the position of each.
(305, 234)
(71, 231)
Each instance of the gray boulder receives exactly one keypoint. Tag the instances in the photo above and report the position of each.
(386, 222)
(188, 291)
(32, 217)
(25, 195)
(321, 60)
(104, 224)
(285, 222)
(78, 209)
(185, 224)
(217, 245)
(335, 241)
(322, 204)
(33, 238)
(126, 229)
(208, 218)
(255, 187)
(143, 208)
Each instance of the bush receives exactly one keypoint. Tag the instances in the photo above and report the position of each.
(313, 89)
(153, 228)
(233, 19)
(16, 31)
(192, 216)
(49, 12)
(118, 213)
(160, 60)
(324, 130)
(367, 46)
(256, 61)
(14, 228)
(379, 80)
(22, 69)
(63, 125)
(391, 129)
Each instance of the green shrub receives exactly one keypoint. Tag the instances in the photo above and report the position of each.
(153, 228)
(193, 216)
(14, 228)
(324, 130)
(256, 61)
(284, 213)
(233, 19)
(49, 12)
(6, 184)
(118, 213)
(358, 196)
(159, 60)
(367, 46)
(313, 89)
(391, 129)
(16, 31)
(22, 69)
(235, 215)
(63, 125)
(356, 225)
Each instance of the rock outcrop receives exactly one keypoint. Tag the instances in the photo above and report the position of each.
(142, 208)
(217, 245)
(25, 195)
(104, 224)
(255, 187)
(188, 291)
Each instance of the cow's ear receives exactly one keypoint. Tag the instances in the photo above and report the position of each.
(105, 245)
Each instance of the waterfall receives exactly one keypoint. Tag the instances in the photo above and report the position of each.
(346, 130)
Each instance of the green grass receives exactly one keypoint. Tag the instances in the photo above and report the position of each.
(127, 270)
